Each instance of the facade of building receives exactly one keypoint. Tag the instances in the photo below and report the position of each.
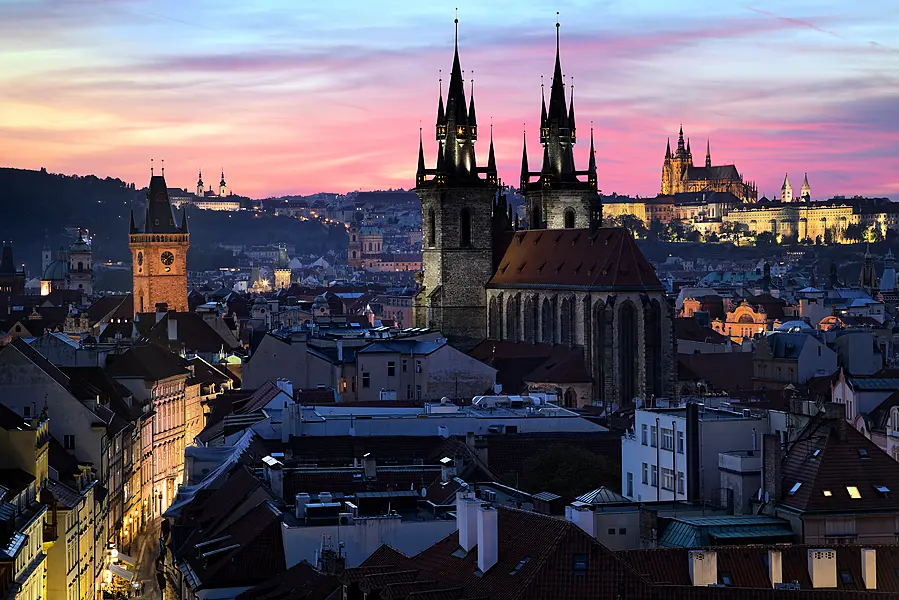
(12, 279)
(72, 269)
(159, 253)
(680, 175)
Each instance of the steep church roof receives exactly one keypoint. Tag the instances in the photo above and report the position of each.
(609, 259)
(726, 172)
(160, 218)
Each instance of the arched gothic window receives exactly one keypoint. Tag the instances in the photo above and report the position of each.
(464, 227)
(569, 218)
(565, 319)
(546, 322)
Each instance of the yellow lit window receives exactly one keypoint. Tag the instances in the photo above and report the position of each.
(827, 493)
(853, 492)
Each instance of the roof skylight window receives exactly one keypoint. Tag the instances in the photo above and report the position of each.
(853, 492)
(795, 488)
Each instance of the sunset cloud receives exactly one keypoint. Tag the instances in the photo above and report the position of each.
(297, 99)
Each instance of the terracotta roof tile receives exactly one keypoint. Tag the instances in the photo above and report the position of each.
(573, 258)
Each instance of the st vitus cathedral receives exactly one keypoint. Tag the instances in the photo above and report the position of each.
(564, 280)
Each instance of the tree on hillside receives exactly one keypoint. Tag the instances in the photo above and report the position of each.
(569, 471)
(634, 224)
(765, 238)
(854, 232)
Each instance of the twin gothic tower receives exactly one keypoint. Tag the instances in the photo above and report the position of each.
(467, 225)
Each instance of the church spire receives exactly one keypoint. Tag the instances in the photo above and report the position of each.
(681, 152)
(525, 172)
(708, 154)
(420, 173)
(591, 169)
(133, 228)
(491, 161)
(441, 113)
(668, 150)
(472, 119)
(184, 220)
(557, 130)
(571, 112)
(542, 105)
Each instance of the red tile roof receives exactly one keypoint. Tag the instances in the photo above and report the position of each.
(573, 258)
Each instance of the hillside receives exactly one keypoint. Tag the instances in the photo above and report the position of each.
(38, 204)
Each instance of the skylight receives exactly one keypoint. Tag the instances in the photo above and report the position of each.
(853, 492)
(863, 453)
(816, 452)
(827, 493)
(882, 490)
(795, 488)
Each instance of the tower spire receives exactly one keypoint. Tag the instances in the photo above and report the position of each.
(680, 141)
(542, 104)
(708, 154)
(668, 149)
(525, 172)
(591, 168)
(420, 174)
(571, 112)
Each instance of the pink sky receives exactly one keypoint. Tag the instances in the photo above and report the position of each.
(331, 98)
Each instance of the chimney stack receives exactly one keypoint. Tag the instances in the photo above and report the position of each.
(771, 479)
(161, 309)
(869, 568)
(775, 567)
(302, 499)
(822, 568)
(467, 520)
(703, 567)
(369, 467)
(286, 386)
(274, 475)
(488, 537)
(447, 469)
(172, 328)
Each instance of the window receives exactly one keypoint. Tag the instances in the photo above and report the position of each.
(726, 578)
(622, 530)
(668, 479)
(391, 368)
(418, 392)
(366, 380)
(643, 434)
(630, 484)
(26, 411)
(69, 442)
(409, 391)
(795, 488)
(405, 365)
(655, 476)
(853, 492)
(680, 482)
(883, 490)
(827, 493)
(862, 453)
(645, 473)
(680, 442)
(611, 531)
(667, 439)
(579, 563)
(464, 227)
(653, 436)
(845, 576)
(569, 219)
(432, 228)
(418, 366)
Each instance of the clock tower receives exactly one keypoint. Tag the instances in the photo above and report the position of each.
(159, 253)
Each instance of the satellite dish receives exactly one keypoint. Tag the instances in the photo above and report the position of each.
(424, 492)
(766, 498)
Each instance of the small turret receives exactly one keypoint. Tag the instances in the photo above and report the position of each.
(668, 151)
(420, 173)
(806, 191)
(222, 186)
(491, 161)
(200, 183)
(591, 169)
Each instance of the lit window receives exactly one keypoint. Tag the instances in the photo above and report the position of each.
(863, 453)
(827, 493)
(853, 492)
(883, 490)
(795, 488)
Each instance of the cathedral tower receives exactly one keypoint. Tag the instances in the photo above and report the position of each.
(200, 184)
(458, 203)
(159, 253)
(806, 191)
(558, 199)
(222, 186)
(81, 273)
(786, 190)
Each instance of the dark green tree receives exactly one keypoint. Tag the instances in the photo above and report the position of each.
(853, 233)
(765, 238)
(569, 471)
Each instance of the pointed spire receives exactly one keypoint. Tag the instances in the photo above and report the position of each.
(543, 104)
(132, 228)
(525, 172)
(441, 112)
(668, 149)
(571, 111)
(592, 166)
(420, 174)
(708, 154)
(680, 141)
(472, 120)
(557, 107)
(491, 158)
(689, 153)
(184, 220)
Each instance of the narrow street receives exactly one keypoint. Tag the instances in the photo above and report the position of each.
(148, 550)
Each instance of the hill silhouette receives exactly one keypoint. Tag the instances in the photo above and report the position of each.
(38, 205)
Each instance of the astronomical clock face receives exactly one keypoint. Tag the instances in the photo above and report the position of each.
(167, 259)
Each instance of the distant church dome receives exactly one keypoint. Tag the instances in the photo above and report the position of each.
(56, 271)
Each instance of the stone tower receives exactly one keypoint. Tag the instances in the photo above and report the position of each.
(159, 253)
(786, 190)
(222, 185)
(806, 192)
(200, 183)
(81, 273)
(282, 270)
(558, 199)
(676, 166)
(459, 221)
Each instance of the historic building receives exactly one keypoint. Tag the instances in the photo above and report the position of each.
(71, 270)
(462, 221)
(566, 281)
(12, 280)
(282, 270)
(159, 253)
(680, 175)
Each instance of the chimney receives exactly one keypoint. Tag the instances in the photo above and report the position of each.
(775, 567)
(771, 468)
(274, 475)
(173, 328)
(822, 568)
(325, 497)
(467, 520)
(447, 469)
(488, 537)
(703, 567)
(161, 309)
(835, 410)
(694, 471)
(285, 385)
(302, 500)
(369, 467)
(869, 568)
